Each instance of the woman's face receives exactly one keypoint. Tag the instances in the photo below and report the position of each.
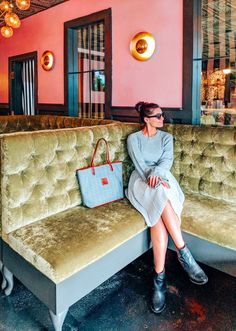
(155, 119)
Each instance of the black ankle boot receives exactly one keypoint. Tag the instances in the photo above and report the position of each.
(194, 271)
(159, 293)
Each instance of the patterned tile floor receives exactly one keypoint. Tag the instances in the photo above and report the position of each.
(122, 303)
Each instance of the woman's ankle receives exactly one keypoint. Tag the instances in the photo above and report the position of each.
(181, 246)
(159, 270)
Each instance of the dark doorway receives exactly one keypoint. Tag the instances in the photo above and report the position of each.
(23, 84)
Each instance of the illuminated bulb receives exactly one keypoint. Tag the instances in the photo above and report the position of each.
(12, 20)
(5, 6)
(227, 71)
(23, 4)
(7, 31)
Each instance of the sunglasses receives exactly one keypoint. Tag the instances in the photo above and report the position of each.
(158, 116)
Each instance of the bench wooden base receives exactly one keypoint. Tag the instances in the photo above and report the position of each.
(59, 297)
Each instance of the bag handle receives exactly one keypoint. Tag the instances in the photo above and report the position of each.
(95, 152)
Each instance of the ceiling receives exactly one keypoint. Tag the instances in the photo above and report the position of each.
(37, 6)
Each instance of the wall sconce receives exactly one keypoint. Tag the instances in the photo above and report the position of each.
(142, 46)
(47, 60)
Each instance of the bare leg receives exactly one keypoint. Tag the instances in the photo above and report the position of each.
(159, 238)
(172, 224)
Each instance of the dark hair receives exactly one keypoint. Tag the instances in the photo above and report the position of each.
(145, 109)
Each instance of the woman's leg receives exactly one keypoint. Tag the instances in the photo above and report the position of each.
(172, 224)
(159, 237)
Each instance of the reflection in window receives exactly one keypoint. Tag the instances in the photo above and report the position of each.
(218, 87)
(87, 72)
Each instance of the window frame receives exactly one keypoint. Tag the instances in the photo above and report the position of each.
(69, 28)
(192, 49)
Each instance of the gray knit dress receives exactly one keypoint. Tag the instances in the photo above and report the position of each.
(153, 156)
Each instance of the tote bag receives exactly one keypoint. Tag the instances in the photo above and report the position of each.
(101, 184)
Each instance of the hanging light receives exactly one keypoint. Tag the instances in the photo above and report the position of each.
(8, 18)
(5, 6)
(23, 4)
(12, 20)
(7, 31)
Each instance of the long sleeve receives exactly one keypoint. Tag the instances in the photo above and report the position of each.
(165, 162)
(136, 156)
(161, 166)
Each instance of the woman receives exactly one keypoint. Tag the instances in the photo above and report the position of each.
(156, 194)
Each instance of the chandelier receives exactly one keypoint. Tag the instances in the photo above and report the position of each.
(8, 18)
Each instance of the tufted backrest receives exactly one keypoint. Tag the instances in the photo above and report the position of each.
(18, 123)
(38, 169)
(205, 160)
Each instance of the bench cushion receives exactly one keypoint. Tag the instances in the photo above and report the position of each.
(210, 219)
(63, 244)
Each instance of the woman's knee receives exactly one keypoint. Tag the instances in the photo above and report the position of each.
(159, 232)
(158, 227)
(169, 212)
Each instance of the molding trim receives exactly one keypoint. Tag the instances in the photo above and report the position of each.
(120, 113)
(129, 114)
(51, 109)
(4, 109)
(42, 109)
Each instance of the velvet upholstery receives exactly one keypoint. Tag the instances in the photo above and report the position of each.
(41, 198)
(40, 180)
(205, 160)
(64, 243)
(210, 219)
(19, 123)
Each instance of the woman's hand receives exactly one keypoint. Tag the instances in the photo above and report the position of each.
(153, 181)
(165, 184)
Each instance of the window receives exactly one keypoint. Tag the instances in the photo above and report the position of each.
(218, 74)
(88, 65)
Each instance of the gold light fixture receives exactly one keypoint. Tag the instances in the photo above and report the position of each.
(47, 60)
(142, 46)
(8, 19)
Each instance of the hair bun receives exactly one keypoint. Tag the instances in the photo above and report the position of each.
(139, 106)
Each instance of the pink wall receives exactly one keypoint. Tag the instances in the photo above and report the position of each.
(158, 79)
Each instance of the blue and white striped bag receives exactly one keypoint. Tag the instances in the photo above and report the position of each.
(101, 184)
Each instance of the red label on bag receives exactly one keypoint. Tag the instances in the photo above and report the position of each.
(104, 181)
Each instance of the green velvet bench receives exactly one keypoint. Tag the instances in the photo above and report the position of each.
(61, 250)
(19, 123)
